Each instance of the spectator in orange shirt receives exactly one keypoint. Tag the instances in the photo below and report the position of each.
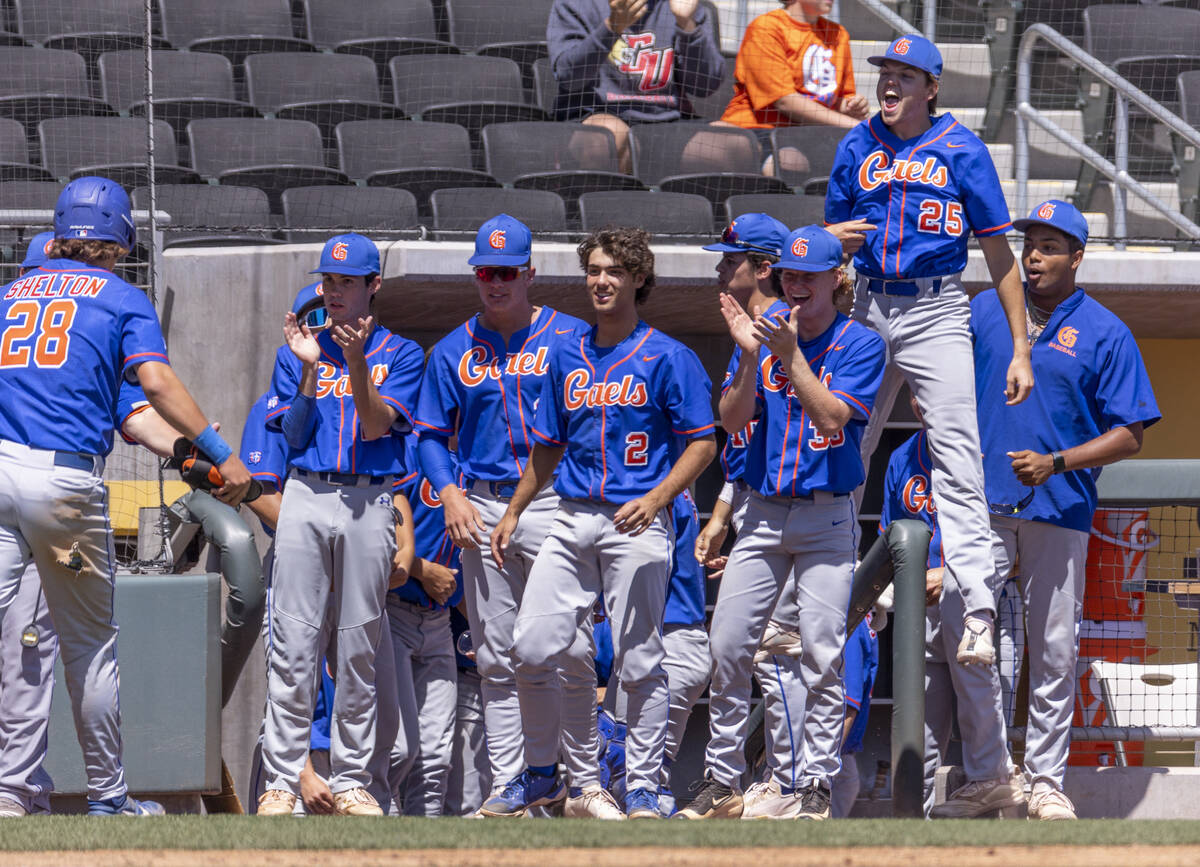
(794, 68)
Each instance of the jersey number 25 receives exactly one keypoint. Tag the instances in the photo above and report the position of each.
(51, 323)
(938, 217)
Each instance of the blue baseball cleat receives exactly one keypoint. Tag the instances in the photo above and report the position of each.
(642, 804)
(525, 790)
(125, 806)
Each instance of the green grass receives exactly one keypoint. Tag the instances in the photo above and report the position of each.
(245, 832)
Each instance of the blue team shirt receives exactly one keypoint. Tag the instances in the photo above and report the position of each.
(1090, 379)
(395, 364)
(621, 411)
(131, 399)
(685, 588)
(733, 453)
(860, 663)
(787, 457)
(263, 450)
(908, 493)
(925, 195)
(71, 333)
(429, 529)
(485, 391)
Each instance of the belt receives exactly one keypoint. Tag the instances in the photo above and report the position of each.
(347, 480)
(906, 288)
(502, 490)
(76, 461)
(814, 497)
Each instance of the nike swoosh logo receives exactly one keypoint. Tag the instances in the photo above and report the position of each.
(649, 357)
(953, 145)
(844, 520)
(562, 330)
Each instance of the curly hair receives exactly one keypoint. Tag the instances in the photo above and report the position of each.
(85, 250)
(627, 246)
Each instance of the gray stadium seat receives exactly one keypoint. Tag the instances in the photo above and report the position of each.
(41, 83)
(680, 214)
(376, 211)
(24, 195)
(418, 156)
(518, 32)
(14, 155)
(818, 144)
(462, 210)
(379, 29)
(114, 147)
(323, 88)
(564, 158)
(711, 107)
(545, 88)
(213, 216)
(792, 210)
(88, 28)
(234, 28)
(692, 157)
(269, 154)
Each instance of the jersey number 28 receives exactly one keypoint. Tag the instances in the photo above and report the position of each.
(51, 324)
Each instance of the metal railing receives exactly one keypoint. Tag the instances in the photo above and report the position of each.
(1118, 172)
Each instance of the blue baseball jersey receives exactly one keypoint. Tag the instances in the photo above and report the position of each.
(71, 333)
(1090, 379)
(263, 450)
(322, 711)
(787, 456)
(485, 390)
(908, 493)
(685, 588)
(131, 399)
(860, 663)
(429, 529)
(336, 444)
(924, 196)
(621, 411)
(733, 453)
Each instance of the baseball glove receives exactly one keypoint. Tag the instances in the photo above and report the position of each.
(200, 473)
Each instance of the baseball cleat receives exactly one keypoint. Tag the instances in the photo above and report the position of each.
(778, 640)
(125, 806)
(276, 802)
(771, 801)
(976, 647)
(760, 791)
(525, 790)
(356, 802)
(1050, 805)
(713, 801)
(592, 802)
(979, 797)
(814, 802)
(642, 804)
(10, 809)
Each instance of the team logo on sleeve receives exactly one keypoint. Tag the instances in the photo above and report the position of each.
(496, 239)
(475, 366)
(901, 46)
(917, 496)
(1046, 211)
(255, 457)
(272, 402)
(579, 391)
(339, 252)
(800, 247)
(428, 495)
(876, 171)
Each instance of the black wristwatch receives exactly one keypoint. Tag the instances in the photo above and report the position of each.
(1060, 463)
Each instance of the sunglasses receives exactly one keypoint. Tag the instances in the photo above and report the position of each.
(488, 273)
(1010, 508)
(315, 317)
(730, 236)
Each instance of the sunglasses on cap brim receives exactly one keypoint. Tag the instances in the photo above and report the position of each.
(730, 236)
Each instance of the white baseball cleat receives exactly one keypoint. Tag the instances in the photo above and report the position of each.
(769, 801)
(592, 803)
(10, 809)
(356, 802)
(276, 802)
(1050, 805)
(976, 647)
(979, 797)
(778, 640)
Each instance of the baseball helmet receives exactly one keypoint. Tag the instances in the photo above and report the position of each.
(95, 208)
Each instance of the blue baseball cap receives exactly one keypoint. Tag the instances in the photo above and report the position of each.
(38, 250)
(1058, 215)
(916, 51)
(310, 302)
(502, 240)
(760, 233)
(349, 254)
(810, 248)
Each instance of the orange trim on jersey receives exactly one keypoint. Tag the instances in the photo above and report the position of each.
(604, 414)
(149, 355)
(401, 407)
(545, 437)
(405, 480)
(341, 424)
(921, 459)
(1007, 225)
(263, 474)
(887, 226)
(853, 400)
(583, 355)
(385, 342)
(684, 433)
(904, 195)
(445, 430)
(520, 404)
(279, 410)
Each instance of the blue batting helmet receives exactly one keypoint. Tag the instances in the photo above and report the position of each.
(95, 208)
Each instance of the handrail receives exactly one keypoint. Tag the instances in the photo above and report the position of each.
(1118, 174)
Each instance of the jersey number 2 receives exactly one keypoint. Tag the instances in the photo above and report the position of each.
(636, 445)
(51, 323)
(932, 213)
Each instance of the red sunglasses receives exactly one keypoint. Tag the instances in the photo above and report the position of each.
(488, 273)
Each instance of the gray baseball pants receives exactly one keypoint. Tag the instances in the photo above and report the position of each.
(470, 779)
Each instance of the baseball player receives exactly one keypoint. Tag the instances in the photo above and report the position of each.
(915, 185)
(482, 384)
(470, 780)
(750, 246)
(860, 665)
(75, 330)
(812, 377)
(341, 395)
(624, 416)
(1041, 460)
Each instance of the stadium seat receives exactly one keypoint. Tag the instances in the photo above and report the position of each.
(817, 144)
(41, 83)
(1187, 155)
(711, 107)
(470, 91)
(234, 28)
(324, 88)
(545, 87)
(564, 158)
(1138, 694)
(793, 210)
(378, 29)
(269, 154)
(14, 155)
(24, 195)
(681, 214)
(114, 147)
(516, 31)
(188, 85)
(417, 156)
(462, 210)
(213, 216)
(376, 211)
(692, 157)
(88, 28)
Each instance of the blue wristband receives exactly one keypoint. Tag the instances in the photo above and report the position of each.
(210, 442)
